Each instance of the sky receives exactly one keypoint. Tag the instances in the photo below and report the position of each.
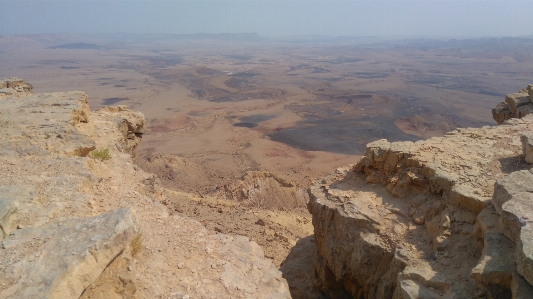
(268, 18)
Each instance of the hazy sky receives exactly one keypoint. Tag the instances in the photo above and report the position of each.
(271, 18)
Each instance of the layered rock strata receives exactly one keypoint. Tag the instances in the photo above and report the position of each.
(264, 189)
(439, 218)
(77, 225)
(516, 105)
(14, 87)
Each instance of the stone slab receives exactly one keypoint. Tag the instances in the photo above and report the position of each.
(61, 260)
(527, 146)
(518, 181)
(516, 100)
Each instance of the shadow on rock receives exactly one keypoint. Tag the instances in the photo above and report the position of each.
(513, 163)
(299, 271)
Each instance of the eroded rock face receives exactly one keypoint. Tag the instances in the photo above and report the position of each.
(516, 105)
(129, 123)
(263, 189)
(14, 87)
(437, 218)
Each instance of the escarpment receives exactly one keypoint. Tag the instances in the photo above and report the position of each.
(446, 217)
(516, 105)
(78, 219)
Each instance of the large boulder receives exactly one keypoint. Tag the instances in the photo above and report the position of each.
(61, 260)
(516, 105)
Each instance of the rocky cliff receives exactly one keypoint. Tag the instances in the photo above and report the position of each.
(447, 217)
(516, 105)
(79, 219)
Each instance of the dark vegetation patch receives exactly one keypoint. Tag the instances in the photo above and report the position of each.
(84, 46)
(63, 67)
(56, 61)
(252, 121)
(333, 79)
(236, 83)
(165, 60)
(120, 85)
(241, 96)
(344, 60)
(242, 57)
(456, 83)
(257, 118)
(343, 136)
(112, 101)
(298, 67)
(370, 75)
(207, 71)
(203, 91)
(318, 70)
(348, 99)
(245, 125)
(245, 75)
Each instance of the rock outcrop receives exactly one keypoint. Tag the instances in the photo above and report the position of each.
(516, 105)
(60, 260)
(14, 87)
(264, 189)
(447, 217)
(77, 225)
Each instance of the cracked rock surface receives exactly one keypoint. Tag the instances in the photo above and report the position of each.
(447, 217)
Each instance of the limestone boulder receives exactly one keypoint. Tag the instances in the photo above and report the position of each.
(524, 110)
(517, 225)
(516, 100)
(496, 268)
(130, 124)
(14, 87)
(61, 260)
(505, 188)
(502, 113)
(527, 147)
(8, 207)
(516, 105)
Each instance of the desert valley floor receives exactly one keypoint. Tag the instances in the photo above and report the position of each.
(230, 111)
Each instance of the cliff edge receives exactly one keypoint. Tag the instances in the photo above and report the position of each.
(78, 219)
(446, 217)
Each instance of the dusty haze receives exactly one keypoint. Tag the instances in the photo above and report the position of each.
(271, 18)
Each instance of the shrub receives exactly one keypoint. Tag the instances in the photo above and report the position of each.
(136, 244)
(101, 154)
